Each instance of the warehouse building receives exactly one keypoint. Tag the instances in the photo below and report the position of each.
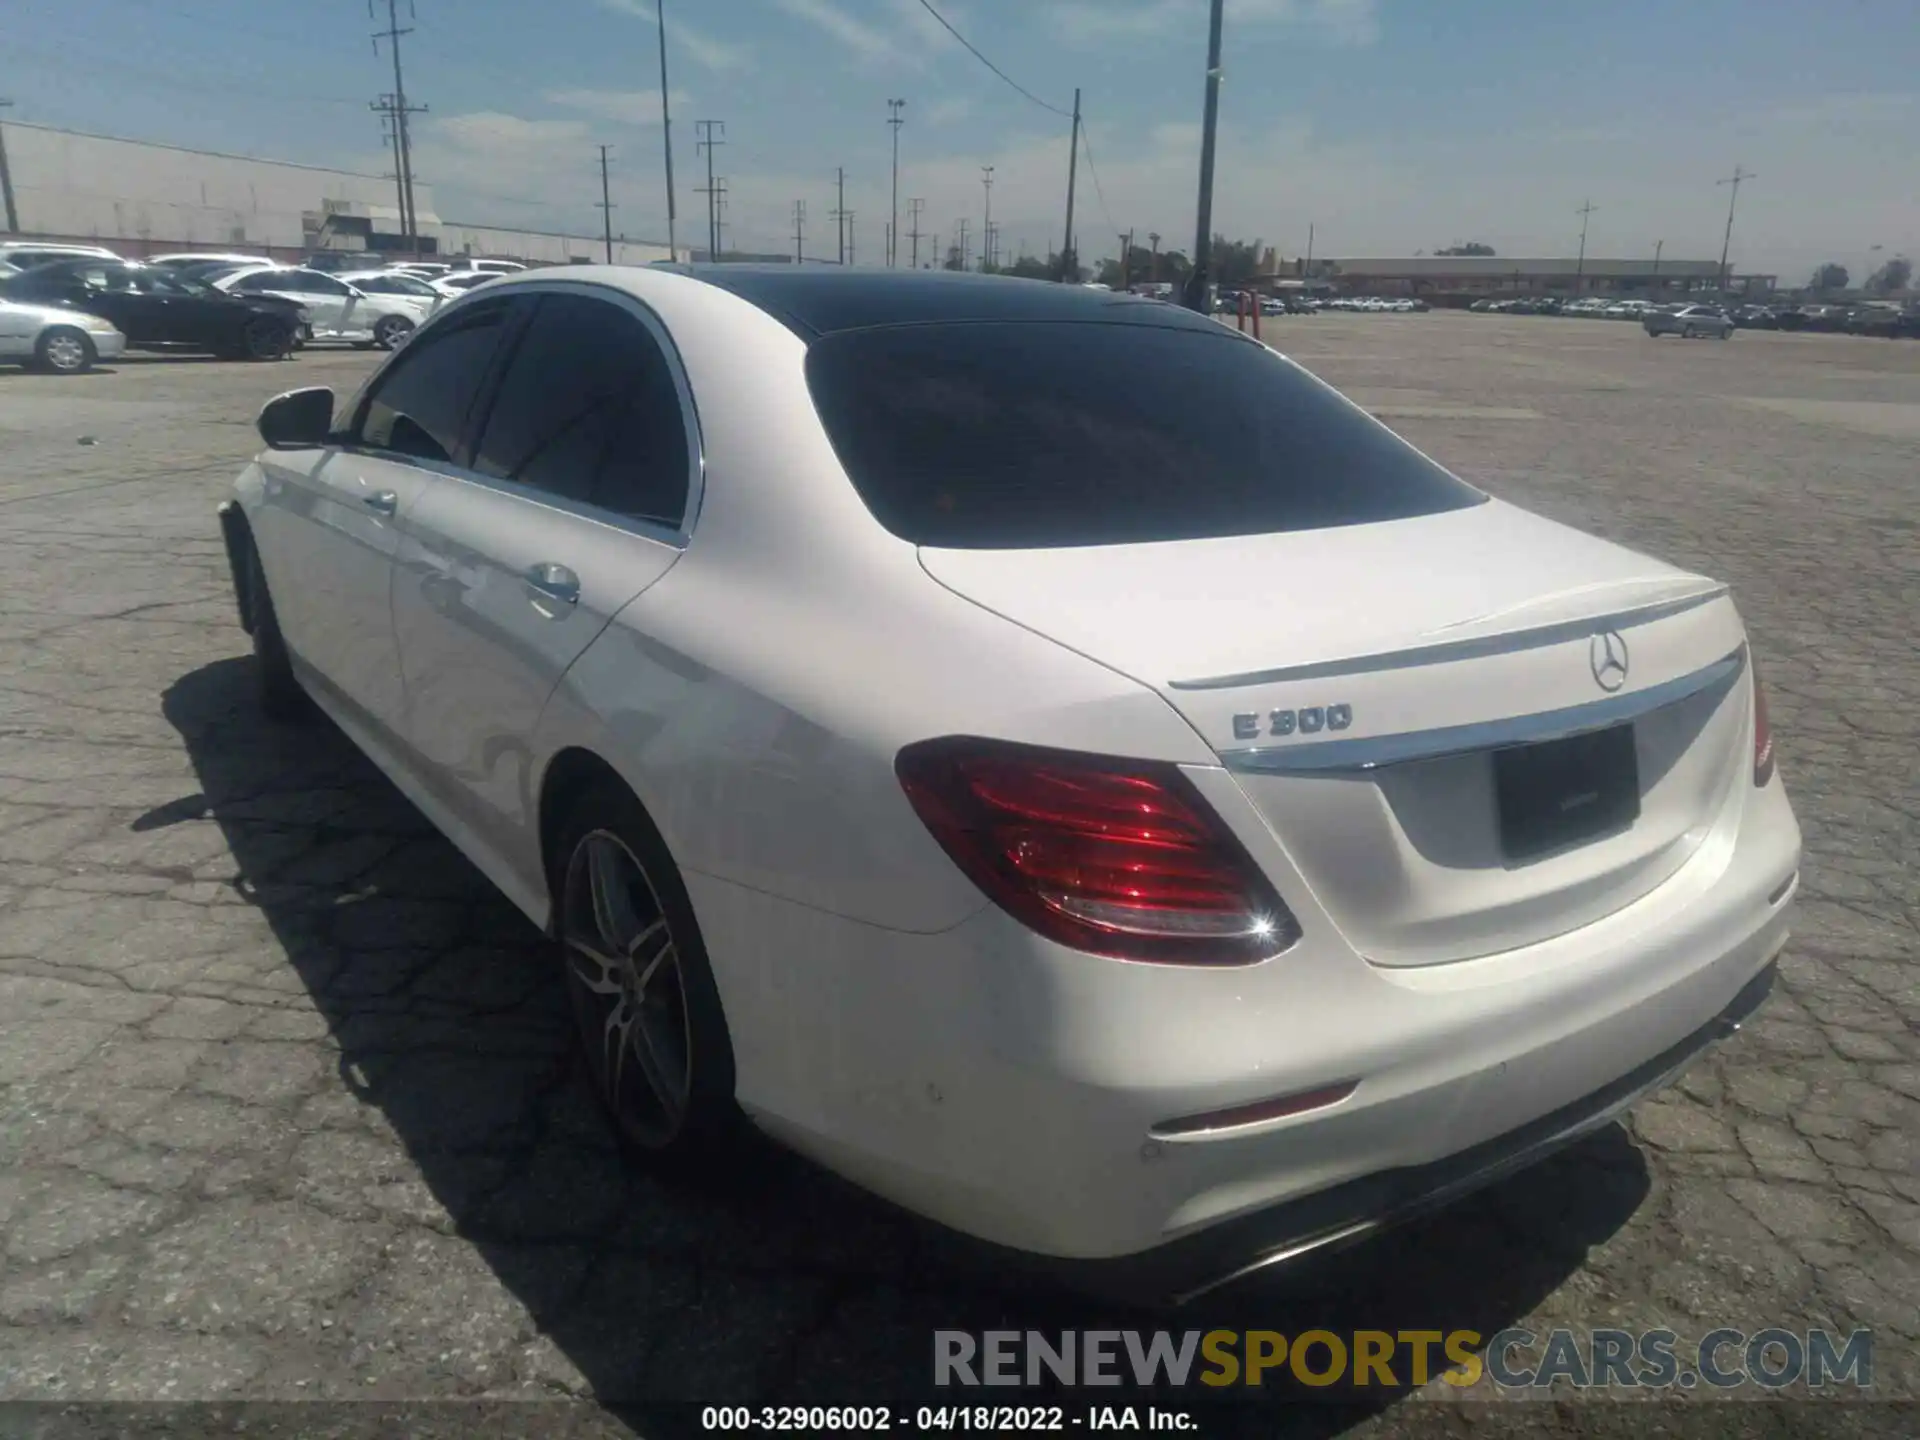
(144, 199)
(1473, 277)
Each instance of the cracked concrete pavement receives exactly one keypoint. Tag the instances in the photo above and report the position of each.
(287, 1106)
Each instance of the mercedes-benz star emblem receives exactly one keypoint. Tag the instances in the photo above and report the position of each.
(1607, 654)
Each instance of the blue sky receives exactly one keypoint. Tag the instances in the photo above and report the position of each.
(1390, 125)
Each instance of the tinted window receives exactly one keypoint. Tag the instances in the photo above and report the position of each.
(588, 410)
(312, 282)
(263, 280)
(420, 406)
(1008, 436)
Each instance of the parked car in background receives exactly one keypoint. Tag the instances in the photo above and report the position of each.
(26, 254)
(395, 283)
(492, 267)
(55, 339)
(773, 637)
(192, 260)
(1688, 321)
(335, 309)
(154, 309)
(460, 281)
(432, 269)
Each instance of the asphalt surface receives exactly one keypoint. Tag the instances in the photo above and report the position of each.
(287, 1104)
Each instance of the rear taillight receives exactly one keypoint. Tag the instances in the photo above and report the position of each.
(1762, 729)
(1116, 857)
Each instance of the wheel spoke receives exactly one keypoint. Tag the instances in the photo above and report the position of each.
(604, 978)
(613, 913)
(669, 1092)
(617, 1043)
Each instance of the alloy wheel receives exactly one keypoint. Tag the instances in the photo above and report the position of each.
(265, 340)
(66, 353)
(391, 330)
(627, 986)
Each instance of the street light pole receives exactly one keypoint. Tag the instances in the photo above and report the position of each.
(894, 107)
(1580, 268)
(986, 229)
(1198, 280)
(666, 129)
(1726, 243)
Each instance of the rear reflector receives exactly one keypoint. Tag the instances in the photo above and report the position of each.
(1240, 1116)
(1116, 857)
(1762, 729)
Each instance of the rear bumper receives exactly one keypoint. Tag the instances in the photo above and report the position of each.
(1185, 1269)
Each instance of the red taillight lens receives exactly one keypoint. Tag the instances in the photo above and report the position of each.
(1116, 857)
(1762, 729)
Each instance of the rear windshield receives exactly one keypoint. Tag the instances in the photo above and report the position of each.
(991, 436)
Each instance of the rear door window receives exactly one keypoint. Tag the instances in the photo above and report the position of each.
(1038, 435)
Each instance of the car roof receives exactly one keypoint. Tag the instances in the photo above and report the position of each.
(822, 300)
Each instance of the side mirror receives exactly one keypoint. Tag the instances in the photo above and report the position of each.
(355, 292)
(297, 420)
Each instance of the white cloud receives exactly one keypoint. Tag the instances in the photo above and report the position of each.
(1344, 22)
(946, 112)
(711, 54)
(623, 107)
(861, 38)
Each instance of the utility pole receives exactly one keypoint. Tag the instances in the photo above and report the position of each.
(894, 107)
(1727, 243)
(706, 130)
(986, 229)
(840, 211)
(961, 226)
(1069, 267)
(1309, 274)
(799, 232)
(1153, 239)
(849, 237)
(606, 203)
(666, 130)
(1197, 281)
(397, 106)
(719, 216)
(1658, 246)
(6, 178)
(914, 207)
(1580, 268)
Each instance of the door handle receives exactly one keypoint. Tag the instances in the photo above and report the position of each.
(381, 502)
(554, 582)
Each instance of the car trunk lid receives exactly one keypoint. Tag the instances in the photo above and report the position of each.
(1468, 731)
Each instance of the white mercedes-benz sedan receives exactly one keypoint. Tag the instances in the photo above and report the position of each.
(1035, 750)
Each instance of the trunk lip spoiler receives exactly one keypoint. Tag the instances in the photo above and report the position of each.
(1554, 633)
(1373, 751)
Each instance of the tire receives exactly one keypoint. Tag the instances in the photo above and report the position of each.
(1727, 334)
(651, 1027)
(63, 350)
(1686, 332)
(392, 331)
(276, 690)
(265, 339)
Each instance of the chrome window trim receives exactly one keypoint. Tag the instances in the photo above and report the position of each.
(1443, 651)
(1375, 751)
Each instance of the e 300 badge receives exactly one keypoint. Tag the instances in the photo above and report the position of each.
(1308, 720)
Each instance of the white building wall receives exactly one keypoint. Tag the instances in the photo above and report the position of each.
(88, 185)
(141, 198)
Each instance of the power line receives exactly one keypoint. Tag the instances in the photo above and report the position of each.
(1087, 145)
(927, 5)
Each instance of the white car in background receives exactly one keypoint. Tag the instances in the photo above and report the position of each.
(208, 257)
(460, 281)
(398, 286)
(61, 341)
(1038, 751)
(334, 309)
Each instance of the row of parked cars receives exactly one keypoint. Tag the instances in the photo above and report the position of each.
(1878, 318)
(65, 307)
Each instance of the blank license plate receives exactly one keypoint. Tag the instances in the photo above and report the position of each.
(1564, 792)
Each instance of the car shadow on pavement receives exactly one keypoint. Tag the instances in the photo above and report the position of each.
(533, 1257)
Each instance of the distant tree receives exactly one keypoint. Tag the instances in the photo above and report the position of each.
(1896, 274)
(1830, 276)
(955, 260)
(1031, 267)
(1472, 247)
(1234, 261)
